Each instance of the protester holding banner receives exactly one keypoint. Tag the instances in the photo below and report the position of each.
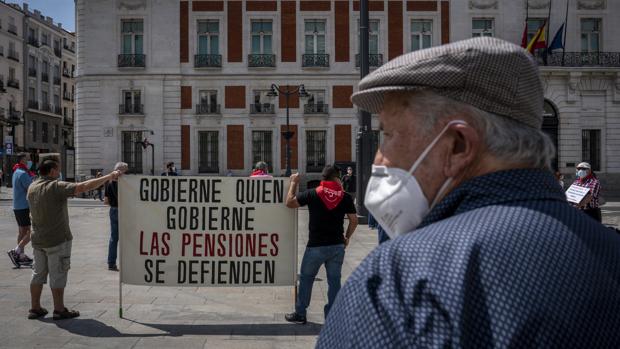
(327, 204)
(485, 250)
(586, 178)
(51, 235)
(22, 178)
(111, 199)
(261, 170)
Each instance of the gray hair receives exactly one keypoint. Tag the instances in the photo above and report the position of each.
(506, 139)
(122, 166)
(261, 165)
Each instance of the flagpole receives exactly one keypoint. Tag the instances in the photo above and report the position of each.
(564, 38)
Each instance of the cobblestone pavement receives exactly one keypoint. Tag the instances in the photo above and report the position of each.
(160, 317)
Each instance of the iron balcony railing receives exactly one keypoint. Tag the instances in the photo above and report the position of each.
(131, 109)
(45, 77)
(68, 48)
(57, 110)
(66, 96)
(315, 60)
(33, 42)
(46, 107)
(12, 29)
(13, 83)
(207, 61)
(13, 55)
(315, 108)
(65, 73)
(374, 60)
(15, 115)
(262, 108)
(33, 105)
(32, 72)
(261, 60)
(56, 80)
(125, 60)
(579, 59)
(207, 109)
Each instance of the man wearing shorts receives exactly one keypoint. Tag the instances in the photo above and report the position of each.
(51, 236)
(22, 178)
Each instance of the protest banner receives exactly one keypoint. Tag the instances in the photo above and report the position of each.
(577, 194)
(206, 231)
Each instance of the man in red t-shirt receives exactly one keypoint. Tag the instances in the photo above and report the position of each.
(328, 204)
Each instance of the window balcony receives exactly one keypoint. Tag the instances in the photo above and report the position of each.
(65, 73)
(57, 81)
(15, 115)
(204, 109)
(374, 60)
(131, 109)
(58, 52)
(68, 48)
(207, 61)
(2, 89)
(262, 108)
(67, 121)
(13, 83)
(33, 105)
(45, 43)
(67, 96)
(262, 60)
(131, 61)
(580, 59)
(57, 110)
(320, 60)
(45, 77)
(32, 41)
(13, 55)
(46, 107)
(315, 108)
(32, 72)
(12, 29)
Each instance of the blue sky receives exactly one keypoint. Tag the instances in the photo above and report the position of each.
(62, 11)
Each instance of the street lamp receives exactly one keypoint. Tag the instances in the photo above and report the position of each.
(145, 144)
(301, 91)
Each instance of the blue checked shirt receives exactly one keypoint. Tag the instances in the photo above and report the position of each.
(502, 261)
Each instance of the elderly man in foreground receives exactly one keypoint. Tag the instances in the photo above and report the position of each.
(486, 252)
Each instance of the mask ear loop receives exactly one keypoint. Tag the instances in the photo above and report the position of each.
(432, 144)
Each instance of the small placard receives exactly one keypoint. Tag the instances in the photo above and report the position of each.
(577, 194)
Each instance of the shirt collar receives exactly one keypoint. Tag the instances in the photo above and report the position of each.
(495, 189)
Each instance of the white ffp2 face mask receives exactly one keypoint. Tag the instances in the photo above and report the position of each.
(394, 196)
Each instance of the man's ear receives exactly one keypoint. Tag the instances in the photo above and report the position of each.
(464, 146)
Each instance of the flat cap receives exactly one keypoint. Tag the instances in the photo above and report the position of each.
(488, 73)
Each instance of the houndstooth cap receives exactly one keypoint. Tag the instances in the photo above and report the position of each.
(488, 73)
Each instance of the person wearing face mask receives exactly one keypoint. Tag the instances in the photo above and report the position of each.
(51, 235)
(485, 250)
(21, 180)
(586, 178)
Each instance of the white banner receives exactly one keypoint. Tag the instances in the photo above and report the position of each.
(576, 194)
(206, 231)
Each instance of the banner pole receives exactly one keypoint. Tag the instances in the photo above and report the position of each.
(120, 259)
(296, 281)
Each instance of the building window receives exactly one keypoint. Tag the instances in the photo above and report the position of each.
(132, 37)
(261, 147)
(209, 148)
(261, 37)
(32, 93)
(208, 102)
(315, 36)
(315, 150)
(45, 100)
(132, 102)
(132, 152)
(44, 132)
(421, 34)
(33, 130)
(591, 148)
(316, 102)
(45, 39)
(45, 67)
(55, 135)
(208, 37)
(11, 73)
(590, 34)
(261, 103)
(482, 27)
(373, 36)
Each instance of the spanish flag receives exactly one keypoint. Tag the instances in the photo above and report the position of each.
(539, 40)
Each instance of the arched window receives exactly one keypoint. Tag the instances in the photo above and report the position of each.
(550, 127)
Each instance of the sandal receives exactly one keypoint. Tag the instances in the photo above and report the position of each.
(36, 313)
(65, 314)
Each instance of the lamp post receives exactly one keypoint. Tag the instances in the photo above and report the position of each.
(145, 144)
(301, 91)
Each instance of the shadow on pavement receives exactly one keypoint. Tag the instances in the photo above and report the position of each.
(94, 328)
